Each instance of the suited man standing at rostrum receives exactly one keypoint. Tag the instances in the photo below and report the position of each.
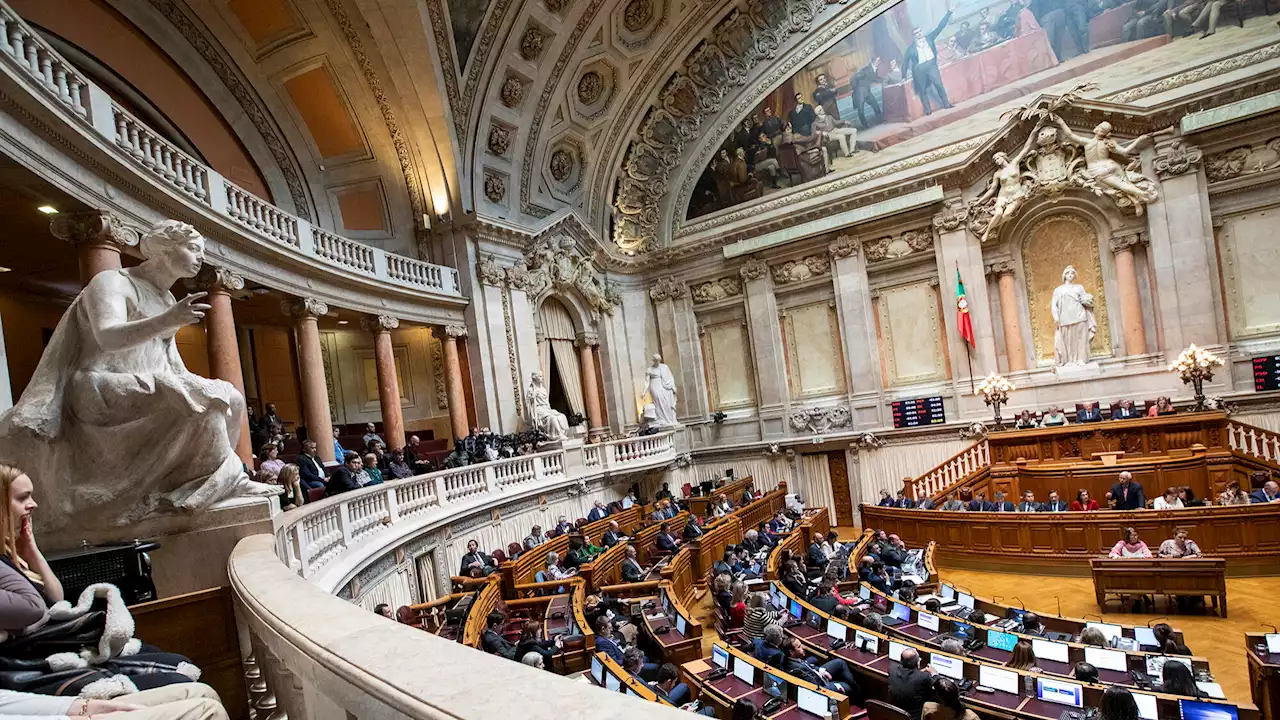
(1128, 494)
(921, 60)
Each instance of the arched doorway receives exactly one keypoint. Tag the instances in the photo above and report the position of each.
(558, 358)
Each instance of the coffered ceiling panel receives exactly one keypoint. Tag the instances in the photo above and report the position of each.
(325, 112)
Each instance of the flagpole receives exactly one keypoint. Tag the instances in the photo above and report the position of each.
(968, 356)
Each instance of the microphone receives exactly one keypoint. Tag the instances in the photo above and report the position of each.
(1024, 606)
(1273, 627)
(1091, 615)
(1153, 621)
(1059, 601)
(996, 598)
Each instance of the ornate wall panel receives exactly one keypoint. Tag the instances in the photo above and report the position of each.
(912, 348)
(1050, 246)
(1250, 266)
(815, 359)
(726, 353)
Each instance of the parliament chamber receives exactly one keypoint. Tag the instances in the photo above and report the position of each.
(785, 359)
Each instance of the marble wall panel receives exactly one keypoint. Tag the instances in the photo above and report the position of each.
(909, 333)
(815, 360)
(726, 352)
(1250, 266)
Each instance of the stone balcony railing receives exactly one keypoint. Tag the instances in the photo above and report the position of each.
(26, 57)
(311, 655)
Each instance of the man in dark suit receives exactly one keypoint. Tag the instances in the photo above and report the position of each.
(1028, 503)
(1270, 492)
(768, 648)
(612, 535)
(921, 60)
(903, 501)
(692, 529)
(825, 95)
(344, 478)
(860, 87)
(979, 503)
(832, 675)
(492, 641)
(1001, 505)
(598, 512)
(310, 466)
(801, 117)
(1128, 494)
(665, 540)
(476, 561)
(726, 563)
(908, 684)
(604, 639)
(1055, 503)
(631, 570)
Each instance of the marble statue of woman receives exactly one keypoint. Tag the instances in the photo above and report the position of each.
(1073, 319)
(113, 426)
(662, 391)
(1008, 186)
(542, 416)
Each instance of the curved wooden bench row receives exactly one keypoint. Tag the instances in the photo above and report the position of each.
(1248, 536)
(700, 505)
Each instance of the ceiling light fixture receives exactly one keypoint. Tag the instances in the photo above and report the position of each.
(5, 269)
(48, 209)
(343, 322)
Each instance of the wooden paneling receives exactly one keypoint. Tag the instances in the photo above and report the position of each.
(201, 626)
(837, 464)
(274, 364)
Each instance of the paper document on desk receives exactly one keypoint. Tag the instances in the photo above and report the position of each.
(659, 616)
(1213, 689)
(922, 599)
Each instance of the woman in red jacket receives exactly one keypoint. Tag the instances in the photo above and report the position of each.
(1084, 502)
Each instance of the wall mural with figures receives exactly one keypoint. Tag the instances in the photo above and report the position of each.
(927, 65)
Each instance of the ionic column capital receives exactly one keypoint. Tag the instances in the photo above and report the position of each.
(455, 331)
(953, 217)
(587, 339)
(1127, 241)
(845, 246)
(96, 228)
(1004, 267)
(300, 308)
(379, 323)
(214, 279)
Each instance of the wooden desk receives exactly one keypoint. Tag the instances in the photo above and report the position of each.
(1247, 536)
(1195, 577)
(814, 525)
(673, 646)
(729, 689)
(700, 505)
(1264, 674)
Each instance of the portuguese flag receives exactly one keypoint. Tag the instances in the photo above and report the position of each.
(962, 311)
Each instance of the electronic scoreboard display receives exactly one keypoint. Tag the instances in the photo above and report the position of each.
(918, 412)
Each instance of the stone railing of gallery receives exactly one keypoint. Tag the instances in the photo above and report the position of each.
(311, 654)
(87, 107)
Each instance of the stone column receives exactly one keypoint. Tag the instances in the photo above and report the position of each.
(98, 236)
(453, 380)
(1014, 350)
(587, 342)
(960, 249)
(681, 351)
(857, 322)
(223, 343)
(1135, 334)
(315, 391)
(766, 347)
(384, 359)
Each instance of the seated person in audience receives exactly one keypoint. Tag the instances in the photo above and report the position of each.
(1128, 493)
(535, 538)
(1233, 495)
(748, 495)
(1002, 505)
(759, 616)
(1130, 546)
(664, 493)
(1176, 679)
(370, 434)
(1117, 704)
(737, 604)
(1179, 546)
(1088, 412)
(562, 527)
(1028, 503)
(371, 470)
(1054, 503)
(909, 684)
(903, 501)
(831, 675)
(605, 641)
(1025, 421)
(345, 478)
(629, 500)
(632, 572)
(397, 467)
(953, 504)
(794, 580)
(886, 499)
(1163, 406)
(1168, 501)
(953, 646)
(531, 643)
(925, 503)
(725, 564)
(723, 506)
(894, 552)
(598, 512)
(667, 686)
(780, 524)
(557, 570)
(665, 541)
(691, 528)
(491, 640)
(770, 647)
(1054, 417)
(746, 565)
(722, 591)
(1124, 410)
(1093, 637)
(1024, 657)
(979, 502)
(831, 544)
(873, 622)
(534, 660)
(1270, 492)
(879, 578)
(751, 542)
(310, 466)
(1031, 625)
(269, 464)
(1083, 502)
(612, 535)
(1168, 641)
(293, 495)
(578, 554)
(946, 703)
(933, 605)
(825, 598)
(475, 563)
(1084, 672)
(815, 558)
(1188, 497)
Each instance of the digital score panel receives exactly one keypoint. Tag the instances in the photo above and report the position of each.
(1266, 373)
(919, 412)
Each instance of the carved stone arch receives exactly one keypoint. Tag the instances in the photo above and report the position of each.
(584, 319)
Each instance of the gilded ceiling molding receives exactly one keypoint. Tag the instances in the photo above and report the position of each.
(404, 154)
(198, 38)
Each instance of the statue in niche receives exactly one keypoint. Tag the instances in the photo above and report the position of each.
(662, 392)
(1073, 321)
(1009, 186)
(112, 425)
(545, 419)
(1125, 185)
